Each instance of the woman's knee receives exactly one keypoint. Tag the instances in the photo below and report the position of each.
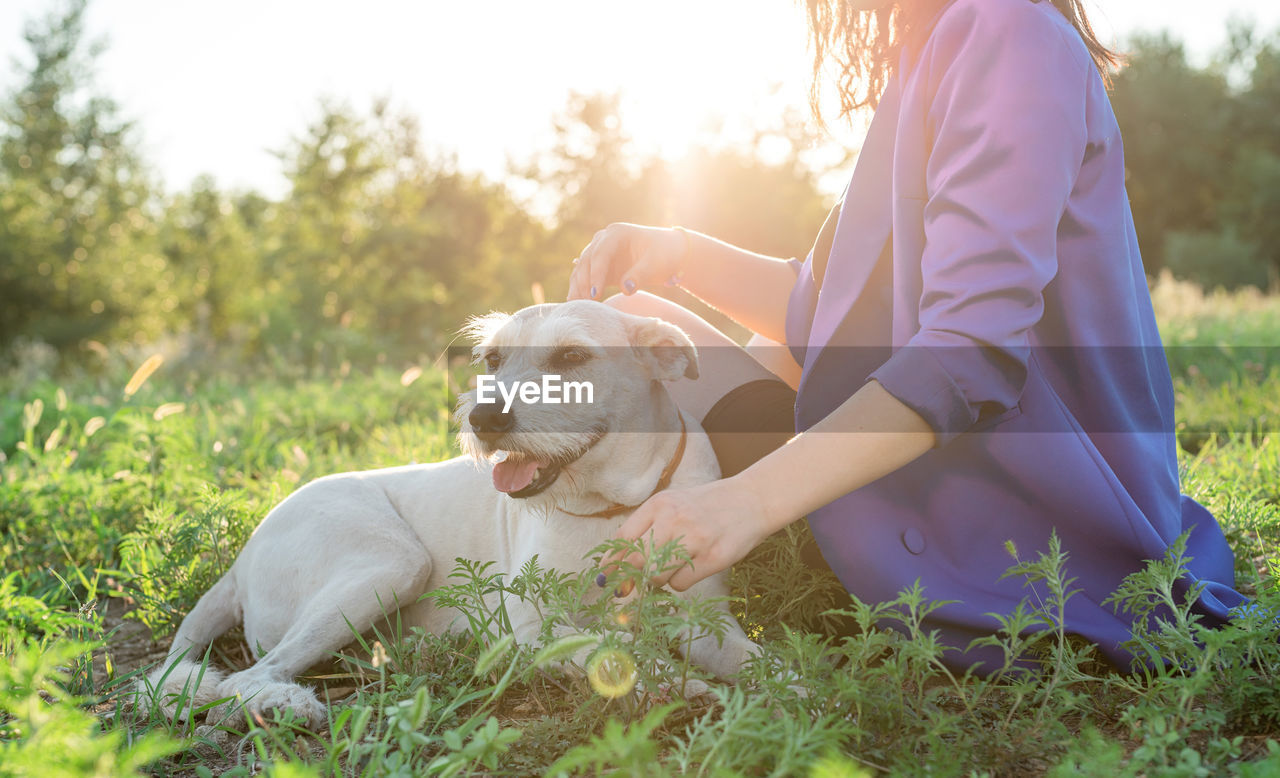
(776, 357)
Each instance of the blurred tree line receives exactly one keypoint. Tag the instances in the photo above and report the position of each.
(1202, 149)
(379, 248)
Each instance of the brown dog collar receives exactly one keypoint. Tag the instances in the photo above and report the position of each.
(664, 481)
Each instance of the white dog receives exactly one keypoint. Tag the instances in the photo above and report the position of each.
(552, 480)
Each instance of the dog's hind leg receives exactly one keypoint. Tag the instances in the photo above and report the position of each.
(182, 680)
(328, 621)
(364, 584)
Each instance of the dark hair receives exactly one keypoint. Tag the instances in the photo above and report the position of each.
(864, 45)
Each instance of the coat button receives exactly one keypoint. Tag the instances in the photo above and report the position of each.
(913, 539)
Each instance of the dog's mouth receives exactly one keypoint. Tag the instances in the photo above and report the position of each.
(522, 475)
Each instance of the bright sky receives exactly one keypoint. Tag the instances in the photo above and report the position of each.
(216, 86)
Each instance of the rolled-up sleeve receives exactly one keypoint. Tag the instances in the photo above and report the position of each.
(1007, 122)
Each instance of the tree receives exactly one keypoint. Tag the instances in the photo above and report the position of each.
(75, 216)
(1252, 206)
(1202, 151)
(1175, 120)
(378, 246)
(592, 176)
(213, 241)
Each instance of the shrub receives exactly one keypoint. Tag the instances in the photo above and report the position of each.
(1217, 259)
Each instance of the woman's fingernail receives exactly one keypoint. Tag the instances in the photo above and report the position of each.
(601, 579)
(630, 286)
(593, 293)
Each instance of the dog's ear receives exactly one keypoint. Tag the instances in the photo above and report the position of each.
(480, 329)
(663, 348)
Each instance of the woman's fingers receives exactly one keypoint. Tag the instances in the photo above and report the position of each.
(683, 578)
(638, 561)
(580, 276)
(572, 293)
(679, 576)
(639, 522)
(717, 524)
(635, 527)
(629, 255)
(655, 523)
(634, 278)
(608, 251)
(655, 254)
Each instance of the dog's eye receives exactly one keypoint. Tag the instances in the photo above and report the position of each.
(492, 362)
(570, 357)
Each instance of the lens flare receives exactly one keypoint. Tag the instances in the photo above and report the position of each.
(612, 673)
(836, 765)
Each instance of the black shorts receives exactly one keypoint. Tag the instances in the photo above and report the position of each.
(764, 408)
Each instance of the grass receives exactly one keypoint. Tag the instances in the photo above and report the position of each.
(118, 509)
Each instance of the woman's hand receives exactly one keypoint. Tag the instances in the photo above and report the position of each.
(631, 256)
(752, 289)
(717, 523)
(869, 435)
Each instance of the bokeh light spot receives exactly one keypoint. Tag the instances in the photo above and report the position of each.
(612, 673)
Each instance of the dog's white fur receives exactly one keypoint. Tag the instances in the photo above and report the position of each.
(336, 554)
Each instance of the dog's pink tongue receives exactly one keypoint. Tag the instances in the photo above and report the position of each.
(509, 476)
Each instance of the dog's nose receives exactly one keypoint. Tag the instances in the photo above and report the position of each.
(489, 423)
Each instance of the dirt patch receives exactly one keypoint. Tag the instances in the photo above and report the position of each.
(129, 643)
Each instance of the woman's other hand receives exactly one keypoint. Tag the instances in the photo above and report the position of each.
(717, 523)
(631, 256)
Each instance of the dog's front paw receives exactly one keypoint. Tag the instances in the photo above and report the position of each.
(259, 700)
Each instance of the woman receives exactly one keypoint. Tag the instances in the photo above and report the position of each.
(977, 353)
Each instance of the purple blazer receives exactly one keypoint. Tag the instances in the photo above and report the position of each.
(985, 270)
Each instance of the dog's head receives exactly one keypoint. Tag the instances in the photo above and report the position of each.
(558, 380)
